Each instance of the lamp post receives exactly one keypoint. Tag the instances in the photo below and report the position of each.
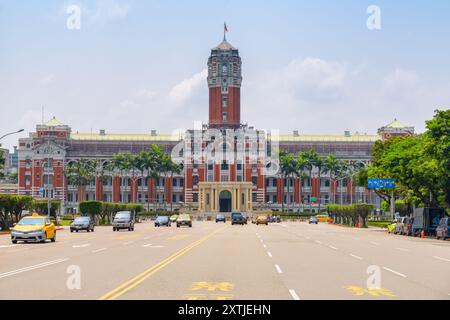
(11, 133)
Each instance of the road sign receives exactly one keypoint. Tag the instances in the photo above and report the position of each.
(313, 199)
(381, 184)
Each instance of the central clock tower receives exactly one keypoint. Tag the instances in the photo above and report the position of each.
(224, 82)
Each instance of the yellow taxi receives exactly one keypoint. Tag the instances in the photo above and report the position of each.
(184, 220)
(34, 228)
(262, 220)
(323, 218)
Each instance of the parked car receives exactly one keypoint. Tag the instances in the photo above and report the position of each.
(82, 224)
(313, 220)
(274, 219)
(174, 218)
(34, 228)
(443, 230)
(162, 221)
(184, 220)
(123, 220)
(237, 218)
(262, 220)
(220, 218)
(245, 218)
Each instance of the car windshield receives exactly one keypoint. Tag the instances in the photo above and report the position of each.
(184, 216)
(162, 219)
(82, 220)
(32, 222)
(123, 216)
(220, 216)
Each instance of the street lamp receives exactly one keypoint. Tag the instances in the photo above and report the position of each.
(11, 133)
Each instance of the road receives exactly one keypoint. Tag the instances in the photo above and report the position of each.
(287, 261)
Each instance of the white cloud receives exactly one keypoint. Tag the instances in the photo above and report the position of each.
(185, 89)
(400, 81)
(47, 80)
(99, 12)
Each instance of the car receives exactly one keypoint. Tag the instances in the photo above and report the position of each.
(123, 220)
(184, 220)
(34, 228)
(82, 223)
(221, 218)
(162, 221)
(274, 219)
(238, 218)
(173, 218)
(391, 228)
(323, 218)
(262, 220)
(245, 218)
(443, 230)
(313, 220)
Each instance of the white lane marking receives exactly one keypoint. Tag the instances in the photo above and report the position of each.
(375, 243)
(403, 249)
(395, 272)
(38, 266)
(99, 250)
(128, 243)
(294, 295)
(8, 246)
(356, 257)
(442, 259)
(318, 242)
(147, 245)
(333, 247)
(269, 254)
(278, 269)
(264, 246)
(81, 246)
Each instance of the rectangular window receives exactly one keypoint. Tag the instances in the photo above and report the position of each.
(224, 116)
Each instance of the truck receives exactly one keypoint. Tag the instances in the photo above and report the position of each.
(427, 219)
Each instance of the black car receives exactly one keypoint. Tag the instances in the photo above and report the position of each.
(238, 218)
(162, 221)
(82, 224)
(220, 218)
(123, 220)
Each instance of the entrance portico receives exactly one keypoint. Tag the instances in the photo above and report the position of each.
(225, 197)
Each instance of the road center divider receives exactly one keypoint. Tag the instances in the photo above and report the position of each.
(127, 286)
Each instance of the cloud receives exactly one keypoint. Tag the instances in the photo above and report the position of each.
(400, 81)
(99, 12)
(185, 89)
(47, 80)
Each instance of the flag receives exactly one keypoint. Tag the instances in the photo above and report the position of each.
(225, 28)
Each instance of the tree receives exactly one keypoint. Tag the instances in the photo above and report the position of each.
(310, 157)
(287, 168)
(320, 163)
(301, 165)
(92, 208)
(332, 166)
(80, 174)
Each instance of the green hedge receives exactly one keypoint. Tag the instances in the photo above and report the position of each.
(349, 214)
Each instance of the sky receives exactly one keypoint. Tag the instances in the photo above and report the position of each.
(138, 65)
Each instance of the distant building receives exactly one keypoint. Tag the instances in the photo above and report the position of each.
(396, 129)
(236, 183)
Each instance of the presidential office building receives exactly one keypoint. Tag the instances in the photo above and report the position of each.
(207, 183)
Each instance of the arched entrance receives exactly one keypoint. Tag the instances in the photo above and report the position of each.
(225, 201)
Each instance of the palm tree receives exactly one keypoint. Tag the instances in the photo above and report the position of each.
(310, 157)
(79, 174)
(287, 168)
(300, 167)
(332, 165)
(122, 163)
(319, 163)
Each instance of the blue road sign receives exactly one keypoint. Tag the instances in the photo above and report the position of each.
(381, 184)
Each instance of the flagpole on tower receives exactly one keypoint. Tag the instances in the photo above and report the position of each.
(225, 30)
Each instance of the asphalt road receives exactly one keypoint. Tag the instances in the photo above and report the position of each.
(222, 262)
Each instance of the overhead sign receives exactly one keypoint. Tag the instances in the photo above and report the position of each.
(381, 184)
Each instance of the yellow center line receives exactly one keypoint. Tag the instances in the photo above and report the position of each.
(127, 286)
